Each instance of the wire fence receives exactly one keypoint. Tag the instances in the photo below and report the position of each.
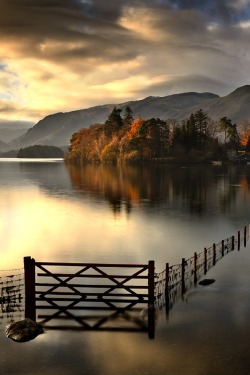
(177, 279)
(168, 286)
(11, 294)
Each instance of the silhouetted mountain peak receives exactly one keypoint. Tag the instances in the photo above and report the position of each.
(57, 129)
(241, 90)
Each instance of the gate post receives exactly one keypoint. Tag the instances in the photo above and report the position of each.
(151, 299)
(29, 281)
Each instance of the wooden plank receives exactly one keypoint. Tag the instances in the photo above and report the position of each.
(87, 300)
(93, 317)
(109, 265)
(101, 308)
(92, 294)
(100, 286)
(106, 329)
(93, 276)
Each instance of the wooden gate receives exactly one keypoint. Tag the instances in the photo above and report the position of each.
(90, 296)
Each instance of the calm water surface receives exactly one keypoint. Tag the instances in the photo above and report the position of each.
(107, 214)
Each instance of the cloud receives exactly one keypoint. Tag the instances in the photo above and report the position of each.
(60, 55)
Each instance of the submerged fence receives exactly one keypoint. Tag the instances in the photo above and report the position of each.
(97, 296)
(177, 279)
(11, 294)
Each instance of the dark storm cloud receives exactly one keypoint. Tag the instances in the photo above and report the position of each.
(229, 11)
(89, 28)
(117, 50)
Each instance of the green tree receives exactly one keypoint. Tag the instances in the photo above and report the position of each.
(231, 137)
(201, 121)
(128, 116)
(113, 123)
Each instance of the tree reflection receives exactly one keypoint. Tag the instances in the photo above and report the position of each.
(191, 188)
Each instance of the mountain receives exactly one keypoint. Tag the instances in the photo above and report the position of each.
(234, 106)
(57, 129)
(2, 145)
(10, 130)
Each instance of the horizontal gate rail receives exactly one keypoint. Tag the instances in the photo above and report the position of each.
(106, 265)
(93, 276)
(99, 286)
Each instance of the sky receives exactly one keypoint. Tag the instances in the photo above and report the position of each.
(64, 55)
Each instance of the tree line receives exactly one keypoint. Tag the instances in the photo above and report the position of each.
(122, 138)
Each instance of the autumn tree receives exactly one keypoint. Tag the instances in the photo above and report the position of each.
(136, 140)
(244, 132)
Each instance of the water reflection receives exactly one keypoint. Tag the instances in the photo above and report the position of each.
(46, 215)
(199, 189)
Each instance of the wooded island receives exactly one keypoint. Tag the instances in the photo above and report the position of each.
(128, 140)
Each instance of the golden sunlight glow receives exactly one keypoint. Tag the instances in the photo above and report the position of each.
(30, 83)
(31, 225)
(141, 21)
(127, 85)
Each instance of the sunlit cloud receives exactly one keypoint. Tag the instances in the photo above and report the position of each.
(141, 21)
(75, 55)
(244, 25)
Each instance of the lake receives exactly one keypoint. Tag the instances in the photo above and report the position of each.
(128, 214)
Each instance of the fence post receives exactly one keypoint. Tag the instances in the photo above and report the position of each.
(222, 248)
(183, 288)
(29, 280)
(245, 236)
(214, 254)
(232, 243)
(238, 240)
(195, 268)
(151, 299)
(205, 260)
(166, 290)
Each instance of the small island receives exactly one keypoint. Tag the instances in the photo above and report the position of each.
(39, 151)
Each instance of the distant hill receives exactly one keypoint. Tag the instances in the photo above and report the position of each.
(10, 130)
(57, 129)
(235, 106)
(2, 145)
